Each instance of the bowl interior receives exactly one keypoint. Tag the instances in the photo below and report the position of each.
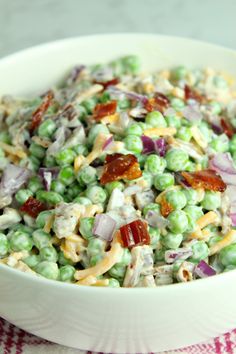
(36, 69)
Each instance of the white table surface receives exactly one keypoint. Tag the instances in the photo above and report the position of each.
(24, 23)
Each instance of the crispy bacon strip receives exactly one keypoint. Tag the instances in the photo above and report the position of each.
(157, 103)
(166, 208)
(206, 179)
(40, 111)
(228, 129)
(119, 166)
(108, 83)
(33, 207)
(104, 109)
(192, 94)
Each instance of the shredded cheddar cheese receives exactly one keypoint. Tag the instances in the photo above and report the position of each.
(152, 132)
(229, 238)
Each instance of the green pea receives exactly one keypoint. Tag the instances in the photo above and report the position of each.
(114, 283)
(163, 180)
(191, 196)
(172, 241)
(32, 162)
(131, 64)
(141, 160)
(42, 218)
(20, 241)
(47, 128)
(184, 133)
(95, 130)
(105, 97)
(213, 240)
(41, 239)
(35, 184)
(178, 221)
(112, 185)
(49, 161)
(48, 270)
(82, 200)
(58, 187)
(89, 104)
(220, 143)
(134, 129)
(200, 251)
(32, 260)
(95, 259)
(65, 157)
(124, 104)
(67, 273)
(81, 149)
(5, 137)
(66, 175)
(151, 206)
(22, 195)
(87, 175)
(96, 194)
(227, 255)
(211, 200)
(62, 260)
(4, 245)
(48, 254)
(173, 121)
(118, 272)
(49, 197)
(21, 227)
(155, 164)
(194, 211)
(176, 159)
(189, 166)
(155, 119)
(95, 246)
(179, 73)
(147, 178)
(176, 198)
(133, 143)
(126, 258)
(215, 107)
(155, 236)
(160, 254)
(86, 227)
(232, 144)
(177, 103)
(229, 267)
(37, 150)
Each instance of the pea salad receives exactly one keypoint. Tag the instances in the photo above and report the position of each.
(121, 178)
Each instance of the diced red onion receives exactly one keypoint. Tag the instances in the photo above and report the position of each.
(13, 178)
(203, 270)
(148, 145)
(181, 253)
(160, 146)
(107, 143)
(156, 220)
(115, 92)
(104, 226)
(217, 129)
(192, 113)
(233, 218)
(75, 72)
(133, 189)
(223, 163)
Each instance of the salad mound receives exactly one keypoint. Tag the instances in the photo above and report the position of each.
(121, 178)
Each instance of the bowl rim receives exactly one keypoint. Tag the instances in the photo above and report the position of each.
(44, 281)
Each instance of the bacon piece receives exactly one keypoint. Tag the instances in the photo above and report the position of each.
(105, 84)
(37, 115)
(33, 207)
(192, 94)
(134, 234)
(157, 103)
(104, 109)
(119, 166)
(228, 129)
(166, 208)
(206, 179)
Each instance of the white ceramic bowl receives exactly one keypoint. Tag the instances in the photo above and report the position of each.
(106, 319)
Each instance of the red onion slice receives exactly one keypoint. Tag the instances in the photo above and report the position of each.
(60, 138)
(104, 226)
(12, 179)
(115, 92)
(156, 220)
(148, 145)
(108, 143)
(160, 146)
(181, 253)
(203, 270)
(192, 113)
